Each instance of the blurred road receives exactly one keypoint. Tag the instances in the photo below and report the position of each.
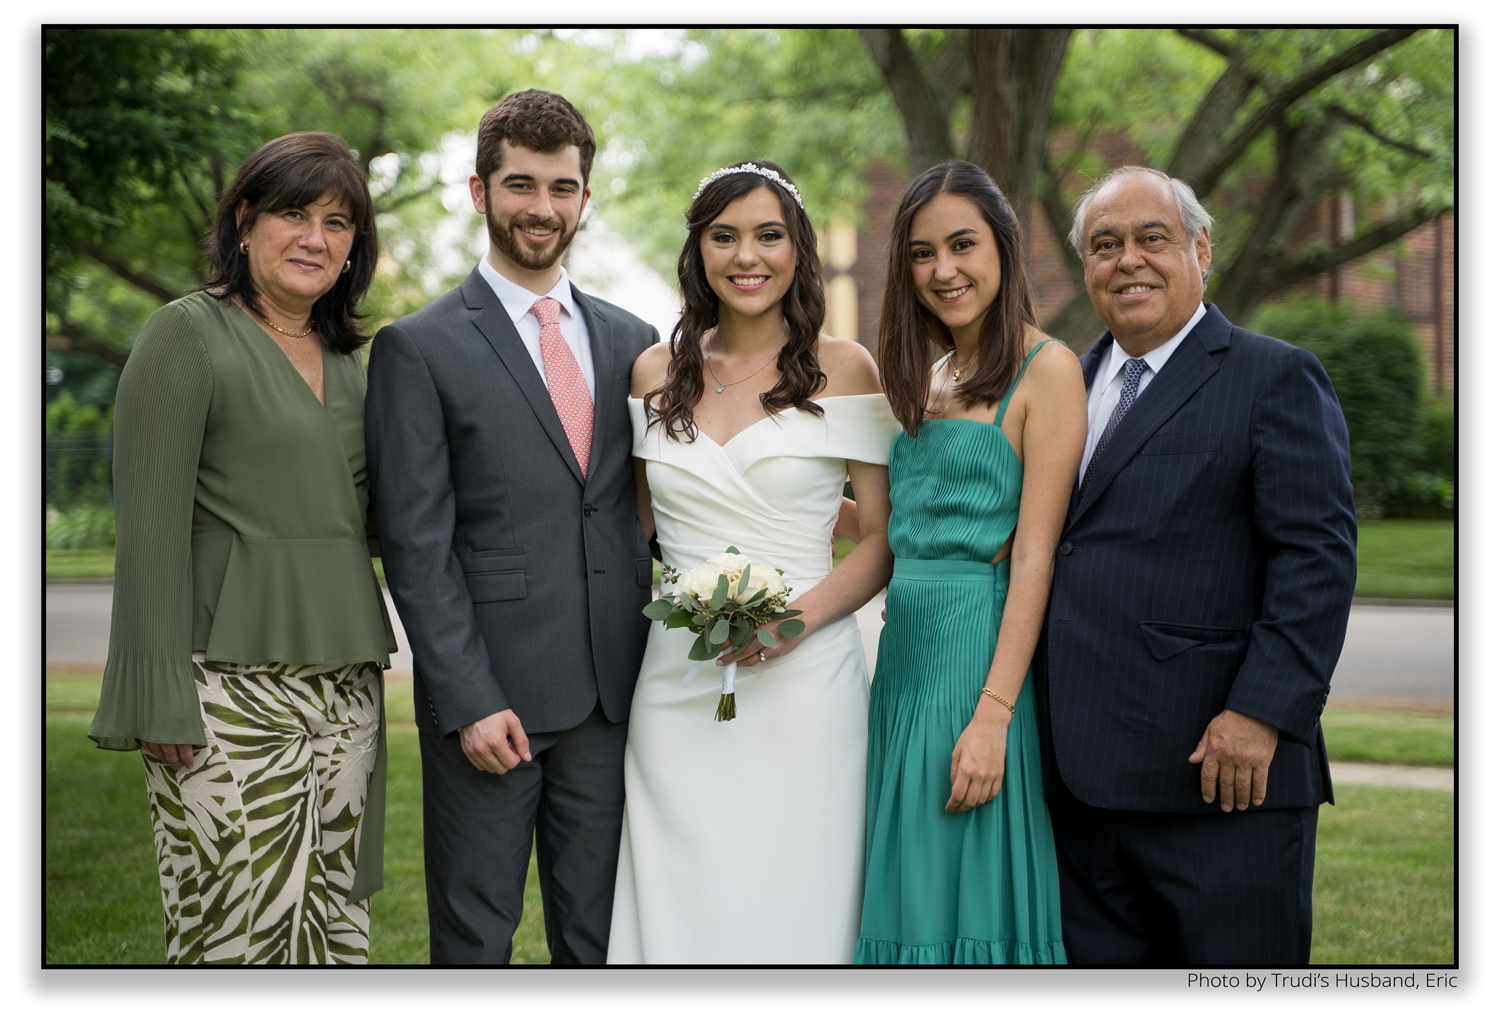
(78, 627)
(1394, 655)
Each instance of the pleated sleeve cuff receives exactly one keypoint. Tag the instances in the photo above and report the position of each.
(154, 701)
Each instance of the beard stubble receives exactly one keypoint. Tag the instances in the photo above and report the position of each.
(528, 258)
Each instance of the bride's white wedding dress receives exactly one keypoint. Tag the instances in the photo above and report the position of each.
(743, 840)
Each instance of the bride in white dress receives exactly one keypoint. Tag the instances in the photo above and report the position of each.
(743, 841)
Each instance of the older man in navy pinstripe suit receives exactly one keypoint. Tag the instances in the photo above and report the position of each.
(1199, 605)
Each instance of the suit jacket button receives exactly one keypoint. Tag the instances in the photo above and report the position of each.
(1066, 547)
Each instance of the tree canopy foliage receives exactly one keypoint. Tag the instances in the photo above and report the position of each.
(133, 118)
(144, 127)
(1260, 122)
(807, 100)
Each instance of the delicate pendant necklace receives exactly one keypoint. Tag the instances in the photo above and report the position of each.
(958, 371)
(726, 384)
(290, 335)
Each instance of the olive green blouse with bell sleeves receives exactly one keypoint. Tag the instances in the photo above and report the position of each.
(241, 507)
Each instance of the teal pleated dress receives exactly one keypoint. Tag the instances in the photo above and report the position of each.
(976, 887)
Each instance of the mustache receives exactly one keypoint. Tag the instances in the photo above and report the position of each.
(554, 223)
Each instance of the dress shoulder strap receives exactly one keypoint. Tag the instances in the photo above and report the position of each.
(1005, 403)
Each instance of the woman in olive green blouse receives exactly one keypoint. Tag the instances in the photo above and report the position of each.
(249, 632)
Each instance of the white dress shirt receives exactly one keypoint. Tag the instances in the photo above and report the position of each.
(518, 300)
(1109, 380)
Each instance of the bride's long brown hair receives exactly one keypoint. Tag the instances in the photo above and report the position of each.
(672, 403)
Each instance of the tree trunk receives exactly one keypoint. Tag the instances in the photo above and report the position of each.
(1075, 323)
(1289, 274)
(1244, 282)
(1207, 150)
(157, 289)
(73, 339)
(922, 110)
(1015, 76)
(1199, 141)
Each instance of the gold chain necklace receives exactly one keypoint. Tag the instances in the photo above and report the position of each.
(290, 335)
(723, 385)
(958, 371)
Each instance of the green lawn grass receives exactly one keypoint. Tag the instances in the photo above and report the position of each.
(94, 563)
(1383, 890)
(1405, 559)
(103, 902)
(1388, 736)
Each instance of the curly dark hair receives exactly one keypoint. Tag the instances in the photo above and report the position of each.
(540, 121)
(908, 330)
(289, 172)
(802, 307)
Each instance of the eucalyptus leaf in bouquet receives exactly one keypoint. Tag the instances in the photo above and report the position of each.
(725, 601)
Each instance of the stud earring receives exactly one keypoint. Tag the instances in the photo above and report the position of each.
(347, 266)
(244, 247)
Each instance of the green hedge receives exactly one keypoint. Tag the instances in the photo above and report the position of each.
(80, 527)
(1439, 457)
(78, 454)
(1400, 438)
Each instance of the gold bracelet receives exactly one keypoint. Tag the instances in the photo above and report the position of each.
(996, 698)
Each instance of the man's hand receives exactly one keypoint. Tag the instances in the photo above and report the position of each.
(495, 744)
(1236, 752)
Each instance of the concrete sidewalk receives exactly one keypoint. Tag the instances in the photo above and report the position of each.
(1425, 778)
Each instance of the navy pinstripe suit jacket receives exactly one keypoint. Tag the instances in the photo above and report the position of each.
(1209, 565)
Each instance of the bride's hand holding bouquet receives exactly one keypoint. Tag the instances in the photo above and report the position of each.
(730, 602)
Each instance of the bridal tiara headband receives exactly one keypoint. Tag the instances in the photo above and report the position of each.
(750, 167)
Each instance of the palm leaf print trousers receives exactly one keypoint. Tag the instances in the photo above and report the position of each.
(255, 842)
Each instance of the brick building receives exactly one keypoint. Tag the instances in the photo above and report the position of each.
(1414, 273)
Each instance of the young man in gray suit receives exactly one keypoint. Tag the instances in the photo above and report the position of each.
(1199, 603)
(499, 441)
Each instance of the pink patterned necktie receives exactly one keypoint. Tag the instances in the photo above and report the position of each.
(570, 394)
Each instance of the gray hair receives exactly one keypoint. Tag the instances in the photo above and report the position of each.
(1195, 217)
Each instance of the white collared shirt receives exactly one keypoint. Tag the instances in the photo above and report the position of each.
(1109, 380)
(517, 301)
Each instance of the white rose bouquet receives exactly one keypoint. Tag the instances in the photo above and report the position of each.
(725, 601)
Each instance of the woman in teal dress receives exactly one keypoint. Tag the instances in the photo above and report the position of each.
(959, 860)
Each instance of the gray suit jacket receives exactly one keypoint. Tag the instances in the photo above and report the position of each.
(519, 582)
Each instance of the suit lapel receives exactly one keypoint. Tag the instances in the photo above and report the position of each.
(603, 348)
(1182, 375)
(1092, 358)
(495, 325)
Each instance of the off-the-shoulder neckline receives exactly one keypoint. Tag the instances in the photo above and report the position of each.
(819, 399)
(750, 427)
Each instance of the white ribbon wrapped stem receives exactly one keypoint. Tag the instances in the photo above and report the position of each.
(726, 682)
